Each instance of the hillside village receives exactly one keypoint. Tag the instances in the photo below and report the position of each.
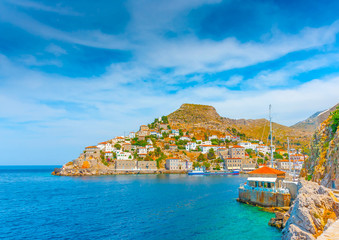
(194, 136)
(159, 146)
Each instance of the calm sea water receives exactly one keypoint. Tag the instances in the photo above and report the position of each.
(37, 205)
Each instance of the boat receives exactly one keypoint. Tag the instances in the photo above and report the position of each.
(201, 171)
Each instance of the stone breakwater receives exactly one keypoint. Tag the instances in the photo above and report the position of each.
(312, 212)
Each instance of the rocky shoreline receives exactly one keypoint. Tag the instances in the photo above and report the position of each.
(311, 213)
(99, 172)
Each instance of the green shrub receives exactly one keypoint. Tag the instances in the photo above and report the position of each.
(335, 120)
(308, 177)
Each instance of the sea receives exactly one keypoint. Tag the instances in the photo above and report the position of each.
(37, 205)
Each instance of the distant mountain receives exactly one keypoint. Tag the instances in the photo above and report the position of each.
(197, 118)
(314, 121)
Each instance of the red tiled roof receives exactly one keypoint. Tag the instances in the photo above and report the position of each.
(237, 146)
(92, 147)
(266, 170)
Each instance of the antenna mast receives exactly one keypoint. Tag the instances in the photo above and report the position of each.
(289, 158)
(271, 138)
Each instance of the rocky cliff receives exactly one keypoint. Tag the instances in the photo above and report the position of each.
(314, 209)
(322, 166)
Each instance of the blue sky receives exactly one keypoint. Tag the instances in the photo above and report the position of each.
(74, 73)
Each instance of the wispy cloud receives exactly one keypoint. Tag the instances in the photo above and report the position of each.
(38, 6)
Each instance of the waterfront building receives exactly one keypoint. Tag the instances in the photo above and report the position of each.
(233, 163)
(248, 164)
(265, 186)
(125, 165)
(146, 165)
(178, 164)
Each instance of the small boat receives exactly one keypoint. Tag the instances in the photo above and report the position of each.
(200, 171)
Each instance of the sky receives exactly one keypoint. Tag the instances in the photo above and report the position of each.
(75, 73)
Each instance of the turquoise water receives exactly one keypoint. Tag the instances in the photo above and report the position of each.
(37, 205)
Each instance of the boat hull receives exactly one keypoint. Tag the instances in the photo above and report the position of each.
(213, 173)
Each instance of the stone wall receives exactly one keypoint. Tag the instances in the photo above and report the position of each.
(265, 199)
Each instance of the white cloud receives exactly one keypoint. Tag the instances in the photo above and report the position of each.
(38, 6)
(289, 73)
(55, 49)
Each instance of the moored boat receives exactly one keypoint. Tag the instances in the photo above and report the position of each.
(200, 171)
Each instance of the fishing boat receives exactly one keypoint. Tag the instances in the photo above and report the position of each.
(202, 171)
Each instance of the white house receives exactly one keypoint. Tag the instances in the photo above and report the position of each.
(124, 156)
(206, 143)
(149, 148)
(185, 138)
(191, 146)
(175, 132)
(206, 148)
(213, 137)
(248, 145)
(142, 150)
(109, 154)
(131, 135)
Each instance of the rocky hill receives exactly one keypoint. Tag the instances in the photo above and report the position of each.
(322, 166)
(314, 121)
(195, 113)
(197, 118)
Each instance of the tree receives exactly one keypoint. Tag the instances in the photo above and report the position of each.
(157, 151)
(260, 161)
(207, 165)
(196, 165)
(277, 155)
(215, 141)
(249, 151)
(201, 158)
(117, 146)
(166, 146)
(181, 133)
(217, 167)
(164, 119)
(210, 154)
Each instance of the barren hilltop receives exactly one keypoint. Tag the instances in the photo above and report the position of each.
(198, 118)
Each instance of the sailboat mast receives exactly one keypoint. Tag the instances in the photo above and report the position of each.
(271, 138)
(289, 159)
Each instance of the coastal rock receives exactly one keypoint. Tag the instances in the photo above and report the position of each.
(311, 211)
(322, 166)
